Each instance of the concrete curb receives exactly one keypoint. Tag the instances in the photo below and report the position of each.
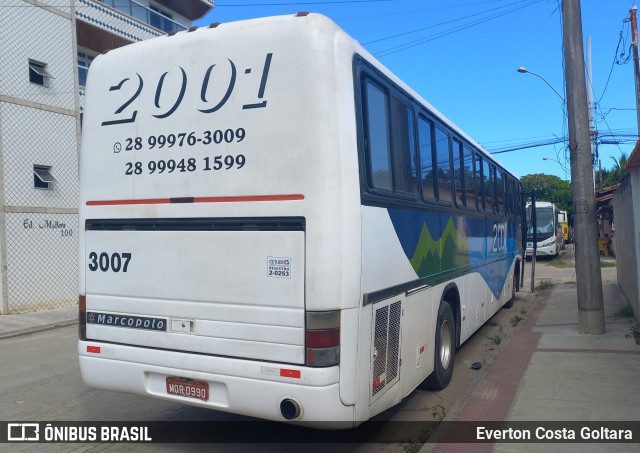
(36, 329)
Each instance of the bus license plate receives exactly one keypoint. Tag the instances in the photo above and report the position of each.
(188, 388)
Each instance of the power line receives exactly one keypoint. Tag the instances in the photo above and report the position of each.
(442, 23)
(616, 60)
(414, 43)
(402, 13)
(548, 142)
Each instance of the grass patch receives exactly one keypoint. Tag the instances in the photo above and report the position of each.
(626, 312)
(559, 263)
(544, 284)
(515, 320)
(438, 412)
(607, 264)
(497, 338)
(416, 446)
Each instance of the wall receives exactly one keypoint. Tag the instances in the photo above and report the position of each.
(627, 237)
(38, 126)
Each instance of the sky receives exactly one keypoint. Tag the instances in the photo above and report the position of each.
(462, 56)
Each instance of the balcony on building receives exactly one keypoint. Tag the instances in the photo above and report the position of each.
(107, 24)
(102, 25)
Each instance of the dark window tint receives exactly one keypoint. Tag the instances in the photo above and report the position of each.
(425, 135)
(510, 196)
(378, 139)
(443, 162)
(403, 142)
(469, 178)
(458, 172)
(488, 186)
(480, 183)
(500, 191)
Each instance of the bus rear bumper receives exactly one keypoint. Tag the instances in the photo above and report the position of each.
(238, 386)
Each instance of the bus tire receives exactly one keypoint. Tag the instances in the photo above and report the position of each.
(445, 348)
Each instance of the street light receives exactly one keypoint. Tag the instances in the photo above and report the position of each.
(524, 70)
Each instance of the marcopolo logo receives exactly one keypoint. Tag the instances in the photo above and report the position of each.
(132, 322)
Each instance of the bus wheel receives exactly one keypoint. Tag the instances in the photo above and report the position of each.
(445, 348)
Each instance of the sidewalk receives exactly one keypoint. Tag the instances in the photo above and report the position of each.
(550, 372)
(25, 323)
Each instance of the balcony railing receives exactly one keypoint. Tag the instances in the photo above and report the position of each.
(145, 14)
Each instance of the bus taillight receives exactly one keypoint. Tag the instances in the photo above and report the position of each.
(322, 338)
(82, 317)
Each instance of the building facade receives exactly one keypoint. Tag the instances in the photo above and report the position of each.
(46, 50)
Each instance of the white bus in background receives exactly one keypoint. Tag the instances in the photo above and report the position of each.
(549, 234)
(274, 225)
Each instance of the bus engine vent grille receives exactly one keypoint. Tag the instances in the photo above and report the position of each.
(386, 346)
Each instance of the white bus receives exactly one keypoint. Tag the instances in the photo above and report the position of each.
(548, 225)
(274, 225)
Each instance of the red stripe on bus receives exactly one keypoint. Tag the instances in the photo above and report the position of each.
(249, 198)
(293, 197)
(128, 202)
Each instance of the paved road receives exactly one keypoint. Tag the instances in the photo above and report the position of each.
(44, 384)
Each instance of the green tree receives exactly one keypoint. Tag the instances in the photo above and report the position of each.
(614, 175)
(549, 188)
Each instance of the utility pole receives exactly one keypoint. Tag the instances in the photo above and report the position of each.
(636, 70)
(593, 134)
(588, 276)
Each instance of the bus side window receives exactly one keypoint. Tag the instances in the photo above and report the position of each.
(488, 186)
(427, 175)
(443, 162)
(480, 185)
(377, 130)
(469, 178)
(500, 191)
(507, 194)
(458, 171)
(403, 148)
(510, 196)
